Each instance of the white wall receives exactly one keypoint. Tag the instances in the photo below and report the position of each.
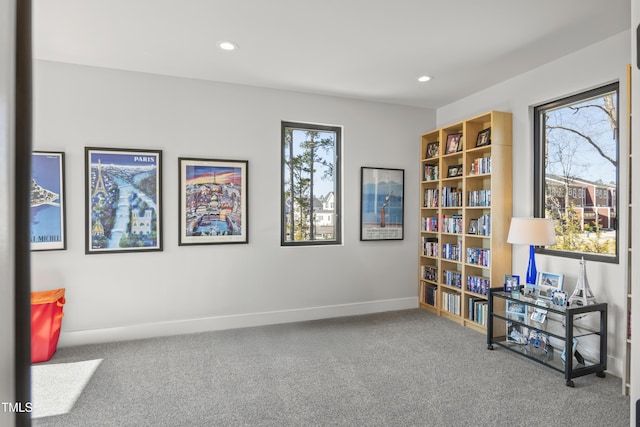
(591, 67)
(192, 288)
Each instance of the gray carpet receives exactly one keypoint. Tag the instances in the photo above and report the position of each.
(404, 368)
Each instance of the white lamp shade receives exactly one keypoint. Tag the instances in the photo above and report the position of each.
(532, 231)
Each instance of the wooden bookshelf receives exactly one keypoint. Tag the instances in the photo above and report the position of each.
(465, 211)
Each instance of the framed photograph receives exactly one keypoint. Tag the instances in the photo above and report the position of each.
(559, 298)
(453, 171)
(548, 282)
(473, 226)
(433, 149)
(48, 220)
(539, 314)
(484, 137)
(213, 201)
(382, 204)
(454, 143)
(516, 308)
(123, 200)
(531, 291)
(517, 333)
(511, 283)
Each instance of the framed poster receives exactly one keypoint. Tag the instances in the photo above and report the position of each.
(123, 200)
(213, 201)
(48, 227)
(382, 204)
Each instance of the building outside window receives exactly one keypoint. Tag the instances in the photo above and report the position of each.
(310, 184)
(576, 172)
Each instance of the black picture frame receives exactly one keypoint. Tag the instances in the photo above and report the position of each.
(123, 200)
(213, 201)
(454, 171)
(484, 137)
(433, 150)
(454, 143)
(48, 201)
(381, 204)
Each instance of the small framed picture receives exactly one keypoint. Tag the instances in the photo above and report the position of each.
(473, 227)
(511, 283)
(531, 291)
(516, 308)
(484, 138)
(517, 333)
(539, 314)
(433, 149)
(453, 171)
(548, 282)
(454, 143)
(559, 298)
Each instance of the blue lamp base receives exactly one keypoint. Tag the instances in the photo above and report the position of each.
(532, 272)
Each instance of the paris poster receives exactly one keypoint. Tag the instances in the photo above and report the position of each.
(124, 200)
(213, 201)
(48, 231)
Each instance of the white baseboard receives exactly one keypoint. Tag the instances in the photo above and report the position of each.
(190, 326)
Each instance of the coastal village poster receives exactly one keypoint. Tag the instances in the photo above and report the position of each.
(123, 200)
(47, 201)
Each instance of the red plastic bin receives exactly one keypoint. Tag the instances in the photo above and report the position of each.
(46, 319)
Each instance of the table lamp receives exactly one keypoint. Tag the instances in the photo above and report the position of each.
(532, 232)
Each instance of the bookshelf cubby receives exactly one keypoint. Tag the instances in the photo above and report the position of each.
(466, 195)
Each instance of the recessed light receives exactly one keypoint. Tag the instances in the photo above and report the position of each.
(423, 79)
(227, 46)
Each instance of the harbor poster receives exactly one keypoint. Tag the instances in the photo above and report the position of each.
(123, 198)
(47, 201)
(382, 204)
(213, 201)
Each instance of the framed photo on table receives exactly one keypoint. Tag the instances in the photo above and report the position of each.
(548, 282)
(382, 204)
(213, 201)
(511, 283)
(454, 143)
(123, 200)
(48, 223)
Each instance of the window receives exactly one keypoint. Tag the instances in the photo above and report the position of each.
(310, 184)
(576, 173)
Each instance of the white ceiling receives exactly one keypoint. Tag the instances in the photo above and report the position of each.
(365, 49)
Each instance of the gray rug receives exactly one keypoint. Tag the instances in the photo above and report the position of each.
(404, 368)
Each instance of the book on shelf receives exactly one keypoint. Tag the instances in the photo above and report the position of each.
(451, 197)
(430, 224)
(451, 302)
(480, 166)
(452, 278)
(452, 224)
(479, 256)
(430, 246)
(430, 294)
(430, 198)
(479, 285)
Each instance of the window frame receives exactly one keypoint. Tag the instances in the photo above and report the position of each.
(539, 147)
(337, 240)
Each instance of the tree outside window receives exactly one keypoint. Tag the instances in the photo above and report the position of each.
(576, 167)
(310, 184)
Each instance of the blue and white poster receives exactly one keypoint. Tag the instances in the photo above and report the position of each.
(47, 201)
